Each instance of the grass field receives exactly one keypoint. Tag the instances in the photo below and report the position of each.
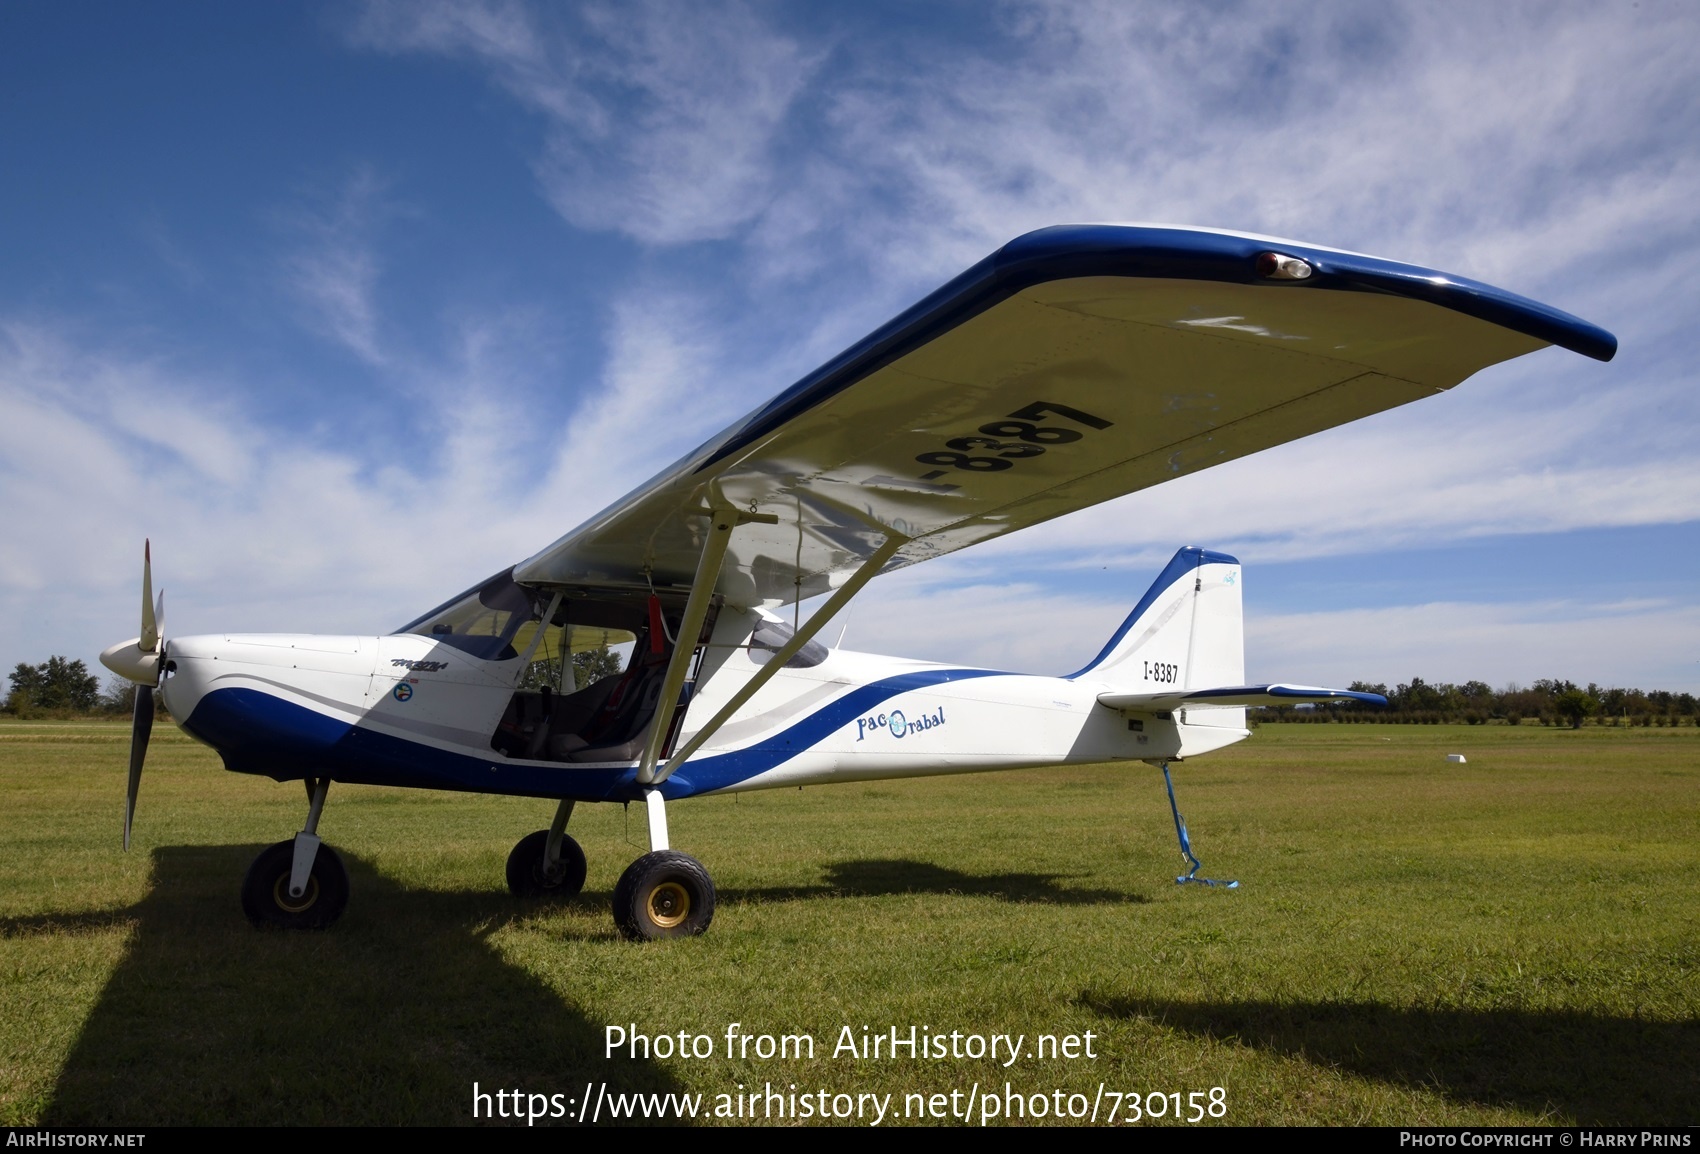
(1514, 940)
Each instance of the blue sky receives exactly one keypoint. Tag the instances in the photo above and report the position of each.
(348, 306)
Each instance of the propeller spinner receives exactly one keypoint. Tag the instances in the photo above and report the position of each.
(141, 660)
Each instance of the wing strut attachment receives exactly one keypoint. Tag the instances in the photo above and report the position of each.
(868, 570)
(1186, 843)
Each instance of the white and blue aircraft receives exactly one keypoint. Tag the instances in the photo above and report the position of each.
(1071, 366)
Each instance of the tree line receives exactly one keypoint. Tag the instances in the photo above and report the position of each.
(59, 687)
(1547, 702)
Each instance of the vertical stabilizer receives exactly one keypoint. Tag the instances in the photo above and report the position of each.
(1187, 632)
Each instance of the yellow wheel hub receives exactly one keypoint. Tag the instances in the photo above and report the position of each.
(289, 905)
(669, 904)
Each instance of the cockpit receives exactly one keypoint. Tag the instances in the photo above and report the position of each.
(591, 674)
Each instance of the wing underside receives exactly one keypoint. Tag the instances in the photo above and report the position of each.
(1073, 366)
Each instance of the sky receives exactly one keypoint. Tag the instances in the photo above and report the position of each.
(349, 306)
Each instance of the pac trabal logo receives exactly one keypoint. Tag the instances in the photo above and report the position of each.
(897, 724)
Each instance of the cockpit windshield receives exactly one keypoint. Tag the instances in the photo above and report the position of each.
(483, 620)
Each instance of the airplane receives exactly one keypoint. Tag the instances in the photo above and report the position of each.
(1075, 364)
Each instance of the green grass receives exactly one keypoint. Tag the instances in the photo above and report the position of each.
(1514, 940)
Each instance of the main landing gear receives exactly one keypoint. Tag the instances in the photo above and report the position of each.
(299, 884)
(663, 894)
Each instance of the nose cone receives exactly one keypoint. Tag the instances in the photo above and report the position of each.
(129, 660)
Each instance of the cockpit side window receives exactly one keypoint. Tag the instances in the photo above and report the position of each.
(771, 636)
(482, 621)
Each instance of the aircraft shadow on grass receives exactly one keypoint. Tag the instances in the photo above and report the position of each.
(1590, 1069)
(880, 878)
(387, 1019)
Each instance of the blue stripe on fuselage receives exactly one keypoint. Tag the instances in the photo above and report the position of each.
(256, 732)
(723, 769)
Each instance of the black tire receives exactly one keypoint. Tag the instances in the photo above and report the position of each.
(526, 878)
(265, 890)
(665, 894)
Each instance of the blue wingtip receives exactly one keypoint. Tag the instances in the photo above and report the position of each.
(1203, 254)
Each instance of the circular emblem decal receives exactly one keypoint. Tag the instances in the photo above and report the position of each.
(899, 725)
(402, 692)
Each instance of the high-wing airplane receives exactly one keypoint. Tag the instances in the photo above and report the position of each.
(1073, 365)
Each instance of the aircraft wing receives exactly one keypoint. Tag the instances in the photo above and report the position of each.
(1073, 365)
(1234, 695)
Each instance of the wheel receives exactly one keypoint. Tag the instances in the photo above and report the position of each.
(526, 878)
(665, 894)
(265, 891)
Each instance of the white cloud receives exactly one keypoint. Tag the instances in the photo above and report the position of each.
(660, 398)
(333, 269)
(1472, 139)
(258, 528)
(661, 122)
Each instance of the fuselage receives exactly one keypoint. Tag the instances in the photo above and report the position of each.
(408, 710)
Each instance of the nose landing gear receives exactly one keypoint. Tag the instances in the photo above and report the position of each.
(548, 863)
(299, 884)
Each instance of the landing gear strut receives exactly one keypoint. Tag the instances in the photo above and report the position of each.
(299, 884)
(664, 893)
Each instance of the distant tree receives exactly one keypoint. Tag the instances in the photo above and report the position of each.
(54, 684)
(589, 667)
(26, 686)
(1477, 693)
(1574, 705)
(1419, 695)
(593, 665)
(1425, 703)
(120, 695)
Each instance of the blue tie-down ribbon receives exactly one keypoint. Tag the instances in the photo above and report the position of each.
(1186, 843)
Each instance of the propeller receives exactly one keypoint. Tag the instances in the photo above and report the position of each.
(141, 728)
(141, 660)
(148, 642)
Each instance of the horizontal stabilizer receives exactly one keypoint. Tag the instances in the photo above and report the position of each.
(1234, 695)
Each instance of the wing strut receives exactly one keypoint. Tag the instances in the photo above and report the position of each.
(721, 521)
(865, 573)
(537, 638)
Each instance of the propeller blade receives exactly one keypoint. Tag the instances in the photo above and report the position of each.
(150, 624)
(141, 728)
(159, 620)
